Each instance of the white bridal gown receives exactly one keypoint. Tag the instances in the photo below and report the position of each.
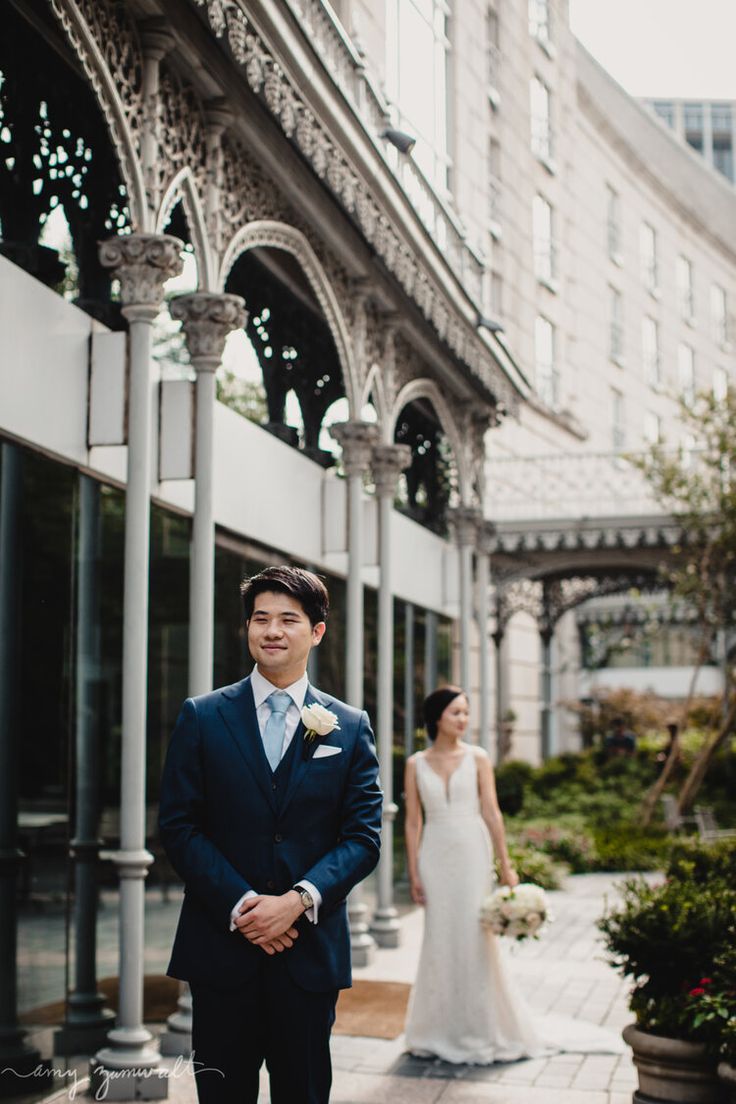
(464, 1007)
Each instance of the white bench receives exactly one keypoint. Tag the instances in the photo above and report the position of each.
(707, 826)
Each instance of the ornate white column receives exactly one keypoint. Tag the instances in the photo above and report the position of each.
(356, 440)
(207, 320)
(143, 263)
(464, 521)
(388, 463)
(485, 533)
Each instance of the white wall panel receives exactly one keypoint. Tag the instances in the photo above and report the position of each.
(44, 352)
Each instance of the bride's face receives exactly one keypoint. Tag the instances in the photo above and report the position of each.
(454, 720)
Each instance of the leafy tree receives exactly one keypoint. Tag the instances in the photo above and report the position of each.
(245, 397)
(697, 485)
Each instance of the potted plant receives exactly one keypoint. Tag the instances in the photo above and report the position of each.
(717, 1006)
(670, 938)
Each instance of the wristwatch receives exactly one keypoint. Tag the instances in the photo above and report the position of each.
(306, 897)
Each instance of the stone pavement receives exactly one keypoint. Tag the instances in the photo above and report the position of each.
(564, 972)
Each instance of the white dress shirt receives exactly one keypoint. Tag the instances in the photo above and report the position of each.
(262, 690)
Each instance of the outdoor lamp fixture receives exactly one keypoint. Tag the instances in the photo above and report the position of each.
(489, 324)
(404, 142)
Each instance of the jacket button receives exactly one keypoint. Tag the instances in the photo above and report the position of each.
(278, 837)
(274, 786)
(270, 885)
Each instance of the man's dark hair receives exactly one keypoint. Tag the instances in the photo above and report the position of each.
(306, 587)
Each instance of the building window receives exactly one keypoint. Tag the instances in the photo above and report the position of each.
(541, 118)
(613, 224)
(493, 55)
(720, 384)
(616, 342)
(718, 314)
(545, 253)
(665, 111)
(686, 372)
(692, 114)
(418, 50)
(497, 294)
(723, 156)
(546, 369)
(652, 429)
(494, 185)
(648, 256)
(685, 293)
(618, 421)
(540, 21)
(650, 351)
(721, 118)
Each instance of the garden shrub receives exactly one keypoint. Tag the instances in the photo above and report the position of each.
(693, 860)
(535, 866)
(627, 847)
(511, 781)
(565, 840)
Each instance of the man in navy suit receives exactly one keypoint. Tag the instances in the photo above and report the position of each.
(270, 812)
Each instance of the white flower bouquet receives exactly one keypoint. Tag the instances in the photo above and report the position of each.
(518, 913)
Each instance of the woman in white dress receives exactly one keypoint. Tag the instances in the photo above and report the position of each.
(463, 1008)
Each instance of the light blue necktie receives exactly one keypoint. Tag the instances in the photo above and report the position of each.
(273, 735)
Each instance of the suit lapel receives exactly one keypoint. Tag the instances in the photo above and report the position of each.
(301, 762)
(238, 711)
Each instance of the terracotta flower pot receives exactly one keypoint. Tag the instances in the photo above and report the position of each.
(727, 1074)
(673, 1070)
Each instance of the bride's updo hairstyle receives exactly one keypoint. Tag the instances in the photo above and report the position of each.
(436, 704)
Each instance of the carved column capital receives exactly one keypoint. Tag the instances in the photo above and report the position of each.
(356, 439)
(207, 320)
(464, 523)
(157, 38)
(143, 263)
(218, 115)
(387, 463)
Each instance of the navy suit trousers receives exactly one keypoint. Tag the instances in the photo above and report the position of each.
(273, 1020)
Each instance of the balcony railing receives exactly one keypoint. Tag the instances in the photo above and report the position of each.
(348, 70)
(568, 485)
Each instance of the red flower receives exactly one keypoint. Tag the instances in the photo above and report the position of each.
(706, 981)
(697, 992)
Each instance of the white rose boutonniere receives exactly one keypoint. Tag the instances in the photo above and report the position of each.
(318, 722)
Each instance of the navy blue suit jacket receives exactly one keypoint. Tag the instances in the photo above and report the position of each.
(226, 830)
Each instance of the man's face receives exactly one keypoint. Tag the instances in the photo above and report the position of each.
(281, 636)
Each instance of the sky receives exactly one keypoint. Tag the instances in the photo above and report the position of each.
(677, 48)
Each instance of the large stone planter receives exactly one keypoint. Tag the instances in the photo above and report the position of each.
(727, 1074)
(673, 1070)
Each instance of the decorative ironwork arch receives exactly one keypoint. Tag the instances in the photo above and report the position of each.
(266, 233)
(428, 389)
(374, 387)
(183, 188)
(88, 25)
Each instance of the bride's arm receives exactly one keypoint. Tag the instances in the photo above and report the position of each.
(491, 814)
(413, 830)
